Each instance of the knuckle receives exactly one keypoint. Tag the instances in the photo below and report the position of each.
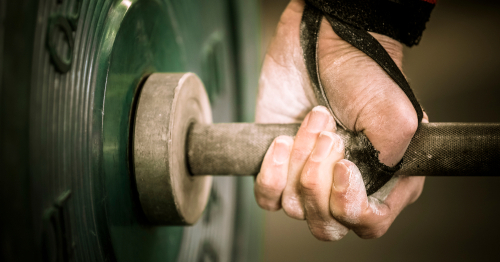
(349, 213)
(268, 186)
(309, 184)
(266, 199)
(407, 122)
(343, 214)
(299, 155)
(409, 128)
(338, 210)
(292, 208)
(271, 183)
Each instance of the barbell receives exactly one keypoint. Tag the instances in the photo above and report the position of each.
(176, 147)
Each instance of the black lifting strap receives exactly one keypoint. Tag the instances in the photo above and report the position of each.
(376, 174)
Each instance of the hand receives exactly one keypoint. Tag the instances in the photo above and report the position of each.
(328, 191)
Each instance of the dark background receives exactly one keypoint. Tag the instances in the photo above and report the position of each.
(455, 73)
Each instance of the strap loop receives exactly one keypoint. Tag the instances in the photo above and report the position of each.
(375, 174)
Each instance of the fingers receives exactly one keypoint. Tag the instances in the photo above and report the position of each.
(316, 185)
(368, 217)
(312, 156)
(272, 178)
(331, 203)
(318, 120)
(350, 205)
(348, 198)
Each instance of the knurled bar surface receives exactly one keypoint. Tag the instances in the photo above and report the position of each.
(454, 149)
(437, 149)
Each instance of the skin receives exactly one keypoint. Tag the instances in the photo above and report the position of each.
(307, 175)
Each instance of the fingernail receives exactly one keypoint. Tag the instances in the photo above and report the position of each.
(332, 125)
(318, 120)
(341, 176)
(323, 146)
(339, 144)
(281, 151)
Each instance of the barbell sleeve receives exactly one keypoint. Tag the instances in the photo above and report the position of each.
(437, 149)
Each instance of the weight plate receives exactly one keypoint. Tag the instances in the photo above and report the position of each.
(89, 59)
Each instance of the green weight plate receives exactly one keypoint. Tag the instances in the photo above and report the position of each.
(88, 61)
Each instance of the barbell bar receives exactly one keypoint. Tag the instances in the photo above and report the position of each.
(176, 147)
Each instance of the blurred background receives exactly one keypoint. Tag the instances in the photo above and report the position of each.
(454, 72)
